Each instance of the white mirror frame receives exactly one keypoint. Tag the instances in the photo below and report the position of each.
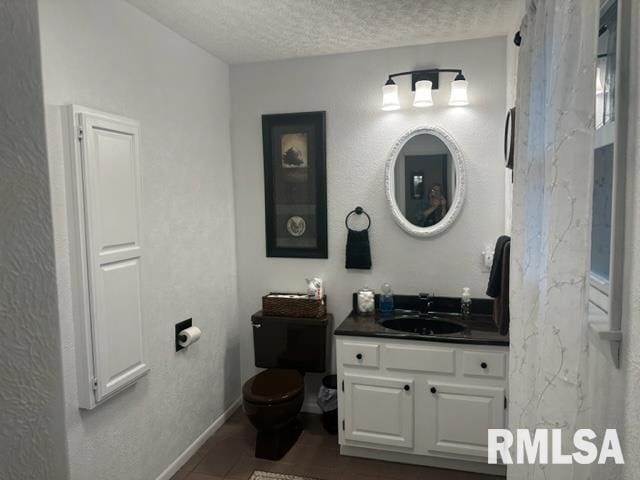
(461, 183)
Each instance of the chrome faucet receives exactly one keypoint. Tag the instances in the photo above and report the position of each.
(426, 302)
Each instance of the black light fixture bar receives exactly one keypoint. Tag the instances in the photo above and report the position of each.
(432, 74)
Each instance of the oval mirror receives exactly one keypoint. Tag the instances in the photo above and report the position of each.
(425, 181)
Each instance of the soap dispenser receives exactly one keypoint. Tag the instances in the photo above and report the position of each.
(385, 305)
(465, 303)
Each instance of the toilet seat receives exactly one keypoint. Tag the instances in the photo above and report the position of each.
(273, 386)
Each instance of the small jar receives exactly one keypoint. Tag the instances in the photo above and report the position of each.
(366, 301)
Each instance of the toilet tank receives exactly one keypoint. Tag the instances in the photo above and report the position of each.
(286, 342)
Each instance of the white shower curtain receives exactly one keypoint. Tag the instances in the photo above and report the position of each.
(551, 220)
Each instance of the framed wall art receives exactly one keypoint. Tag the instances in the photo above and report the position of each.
(295, 184)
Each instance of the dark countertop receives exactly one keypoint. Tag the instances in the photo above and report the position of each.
(480, 329)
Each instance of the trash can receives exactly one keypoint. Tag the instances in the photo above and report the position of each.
(328, 403)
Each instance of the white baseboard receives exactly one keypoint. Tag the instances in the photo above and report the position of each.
(197, 443)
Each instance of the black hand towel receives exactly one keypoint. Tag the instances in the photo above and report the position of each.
(495, 277)
(358, 250)
(501, 314)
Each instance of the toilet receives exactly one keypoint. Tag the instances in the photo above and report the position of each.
(288, 348)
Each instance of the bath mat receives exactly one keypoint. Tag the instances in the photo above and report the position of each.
(260, 475)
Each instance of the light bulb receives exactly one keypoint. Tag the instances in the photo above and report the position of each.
(390, 99)
(422, 96)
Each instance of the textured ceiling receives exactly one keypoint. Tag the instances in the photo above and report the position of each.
(242, 31)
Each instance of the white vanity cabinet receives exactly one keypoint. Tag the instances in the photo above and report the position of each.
(421, 402)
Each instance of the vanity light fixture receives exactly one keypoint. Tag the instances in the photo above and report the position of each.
(422, 83)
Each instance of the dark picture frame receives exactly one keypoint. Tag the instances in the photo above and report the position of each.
(295, 184)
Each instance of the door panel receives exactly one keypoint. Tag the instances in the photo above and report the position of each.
(379, 410)
(112, 190)
(122, 334)
(115, 170)
(460, 416)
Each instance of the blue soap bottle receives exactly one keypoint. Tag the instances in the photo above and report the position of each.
(385, 304)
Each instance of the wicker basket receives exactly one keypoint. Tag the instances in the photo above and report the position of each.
(299, 306)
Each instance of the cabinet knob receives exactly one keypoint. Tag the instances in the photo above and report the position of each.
(359, 356)
(433, 390)
(407, 388)
(483, 364)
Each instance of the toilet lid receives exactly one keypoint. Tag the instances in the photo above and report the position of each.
(273, 386)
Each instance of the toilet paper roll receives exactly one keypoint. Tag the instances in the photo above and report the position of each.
(188, 336)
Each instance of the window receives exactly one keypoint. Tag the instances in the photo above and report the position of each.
(606, 65)
(604, 169)
(611, 94)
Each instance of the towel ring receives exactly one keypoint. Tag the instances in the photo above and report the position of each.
(357, 211)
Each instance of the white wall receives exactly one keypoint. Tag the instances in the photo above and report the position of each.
(32, 441)
(110, 56)
(359, 138)
(631, 311)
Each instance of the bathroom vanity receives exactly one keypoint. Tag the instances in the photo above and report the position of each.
(422, 394)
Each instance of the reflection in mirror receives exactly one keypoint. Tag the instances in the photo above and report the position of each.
(425, 180)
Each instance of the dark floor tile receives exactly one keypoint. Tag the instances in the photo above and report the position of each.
(221, 457)
(327, 458)
(314, 471)
(363, 467)
(229, 454)
(181, 474)
(356, 476)
(314, 433)
(243, 469)
(477, 476)
(202, 476)
(238, 417)
(187, 468)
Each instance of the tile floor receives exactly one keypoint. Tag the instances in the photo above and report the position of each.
(229, 454)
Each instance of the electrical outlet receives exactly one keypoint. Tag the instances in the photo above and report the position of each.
(487, 258)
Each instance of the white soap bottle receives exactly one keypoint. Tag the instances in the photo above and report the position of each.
(465, 302)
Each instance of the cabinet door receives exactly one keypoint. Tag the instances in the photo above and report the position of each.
(109, 191)
(460, 416)
(379, 410)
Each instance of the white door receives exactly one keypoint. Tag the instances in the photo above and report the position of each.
(110, 176)
(378, 410)
(460, 416)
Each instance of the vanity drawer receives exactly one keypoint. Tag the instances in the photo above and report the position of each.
(360, 354)
(419, 359)
(484, 364)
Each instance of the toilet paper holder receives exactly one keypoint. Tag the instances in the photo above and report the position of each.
(179, 327)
